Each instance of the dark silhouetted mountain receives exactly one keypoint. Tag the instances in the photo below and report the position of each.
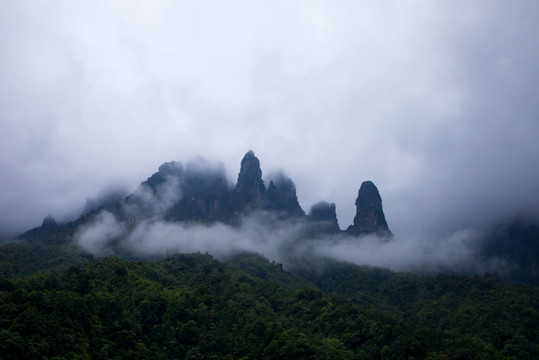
(249, 193)
(49, 224)
(323, 219)
(48, 227)
(281, 196)
(198, 192)
(153, 197)
(166, 171)
(205, 195)
(369, 217)
(201, 192)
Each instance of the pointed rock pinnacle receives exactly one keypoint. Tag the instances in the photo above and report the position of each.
(369, 217)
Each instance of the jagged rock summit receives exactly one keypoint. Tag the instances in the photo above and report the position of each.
(49, 224)
(369, 217)
(250, 190)
(250, 193)
(200, 192)
(281, 196)
(323, 216)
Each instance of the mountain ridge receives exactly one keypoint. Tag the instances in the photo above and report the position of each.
(200, 193)
(178, 197)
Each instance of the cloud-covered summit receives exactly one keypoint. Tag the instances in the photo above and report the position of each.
(193, 208)
(436, 102)
(196, 205)
(201, 193)
(370, 216)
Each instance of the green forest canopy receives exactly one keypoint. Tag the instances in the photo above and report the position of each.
(195, 307)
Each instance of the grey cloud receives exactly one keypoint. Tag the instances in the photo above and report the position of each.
(285, 242)
(146, 202)
(95, 237)
(434, 102)
(457, 252)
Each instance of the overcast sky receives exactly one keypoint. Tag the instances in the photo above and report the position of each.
(436, 102)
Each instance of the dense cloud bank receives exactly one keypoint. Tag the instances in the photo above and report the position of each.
(284, 241)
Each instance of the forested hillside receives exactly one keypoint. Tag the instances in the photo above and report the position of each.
(195, 307)
(64, 296)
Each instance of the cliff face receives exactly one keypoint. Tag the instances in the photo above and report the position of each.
(200, 192)
(370, 218)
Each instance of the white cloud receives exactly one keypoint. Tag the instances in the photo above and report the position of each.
(434, 102)
(95, 237)
(285, 242)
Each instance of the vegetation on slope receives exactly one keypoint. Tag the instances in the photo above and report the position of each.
(195, 307)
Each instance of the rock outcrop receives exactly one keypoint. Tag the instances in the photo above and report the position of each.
(49, 224)
(205, 194)
(369, 217)
(281, 196)
(201, 192)
(323, 219)
(249, 193)
(154, 197)
(172, 169)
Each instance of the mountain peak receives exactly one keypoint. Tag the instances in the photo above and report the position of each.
(369, 217)
(168, 169)
(250, 188)
(249, 154)
(171, 168)
(49, 224)
(281, 196)
(324, 218)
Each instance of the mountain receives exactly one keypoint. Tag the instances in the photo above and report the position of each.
(199, 192)
(369, 217)
(281, 196)
(59, 301)
(204, 194)
(323, 218)
(49, 224)
(250, 191)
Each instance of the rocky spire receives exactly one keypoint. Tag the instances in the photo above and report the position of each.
(250, 190)
(324, 218)
(369, 217)
(49, 224)
(166, 170)
(205, 194)
(281, 196)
